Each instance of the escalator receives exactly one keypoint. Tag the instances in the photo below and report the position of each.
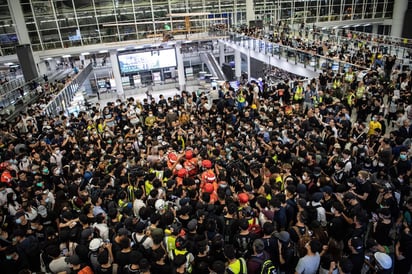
(210, 61)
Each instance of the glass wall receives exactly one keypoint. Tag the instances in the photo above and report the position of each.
(8, 37)
(67, 23)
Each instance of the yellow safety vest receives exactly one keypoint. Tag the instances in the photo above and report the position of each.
(298, 93)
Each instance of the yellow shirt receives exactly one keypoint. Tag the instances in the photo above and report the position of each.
(373, 125)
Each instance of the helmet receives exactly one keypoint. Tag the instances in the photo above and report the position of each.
(172, 157)
(207, 163)
(188, 154)
(210, 176)
(160, 204)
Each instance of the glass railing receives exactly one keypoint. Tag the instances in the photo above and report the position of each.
(12, 85)
(309, 59)
(400, 47)
(62, 100)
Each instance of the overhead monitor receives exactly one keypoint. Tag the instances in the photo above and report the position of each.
(147, 60)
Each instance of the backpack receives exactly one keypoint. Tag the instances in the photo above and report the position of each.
(312, 212)
(227, 230)
(254, 227)
(267, 266)
(244, 243)
(299, 246)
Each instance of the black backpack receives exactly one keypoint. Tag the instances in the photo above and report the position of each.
(312, 213)
(227, 230)
(267, 266)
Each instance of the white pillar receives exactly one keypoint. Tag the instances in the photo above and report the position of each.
(180, 68)
(398, 16)
(116, 72)
(40, 64)
(248, 66)
(221, 54)
(16, 13)
(375, 28)
(250, 11)
(238, 64)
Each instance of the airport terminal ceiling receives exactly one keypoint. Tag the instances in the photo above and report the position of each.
(66, 23)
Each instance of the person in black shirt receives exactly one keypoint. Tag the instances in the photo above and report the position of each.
(161, 263)
(337, 225)
(357, 254)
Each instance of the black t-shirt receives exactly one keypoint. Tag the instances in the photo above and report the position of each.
(123, 259)
(164, 269)
(337, 228)
(357, 261)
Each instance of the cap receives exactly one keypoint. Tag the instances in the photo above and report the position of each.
(192, 225)
(317, 196)
(209, 188)
(207, 163)
(123, 231)
(258, 245)
(301, 189)
(337, 145)
(95, 244)
(383, 259)
(243, 198)
(140, 227)
(74, 259)
(157, 232)
(283, 236)
(86, 233)
(327, 189)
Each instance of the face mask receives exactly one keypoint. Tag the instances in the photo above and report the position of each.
(332, 210)
(33, 227)
(57, 151)
(403, 157)
(18, 221)
(109, 141)
(304, 177)
(140, 138)
(374, 119)
(57, 172)
(9, 257)
(39, 184)
(47, 200)
(45, 171)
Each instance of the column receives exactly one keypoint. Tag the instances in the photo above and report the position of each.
(16, 13)
(116, 72)
(221, 54)
(375, 28)
(180, 68)
(238, 64)
(250, 11)
(398, 16)
(41, 65)
(248, 66)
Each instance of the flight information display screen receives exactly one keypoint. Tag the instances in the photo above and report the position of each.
(148, 60)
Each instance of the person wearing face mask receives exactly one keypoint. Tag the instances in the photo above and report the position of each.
(403, 164)
(150, 119)
(373, 125)
(28, 246)
(56, 157)
(15, 261)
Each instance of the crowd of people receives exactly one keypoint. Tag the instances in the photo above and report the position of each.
(294, 178)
